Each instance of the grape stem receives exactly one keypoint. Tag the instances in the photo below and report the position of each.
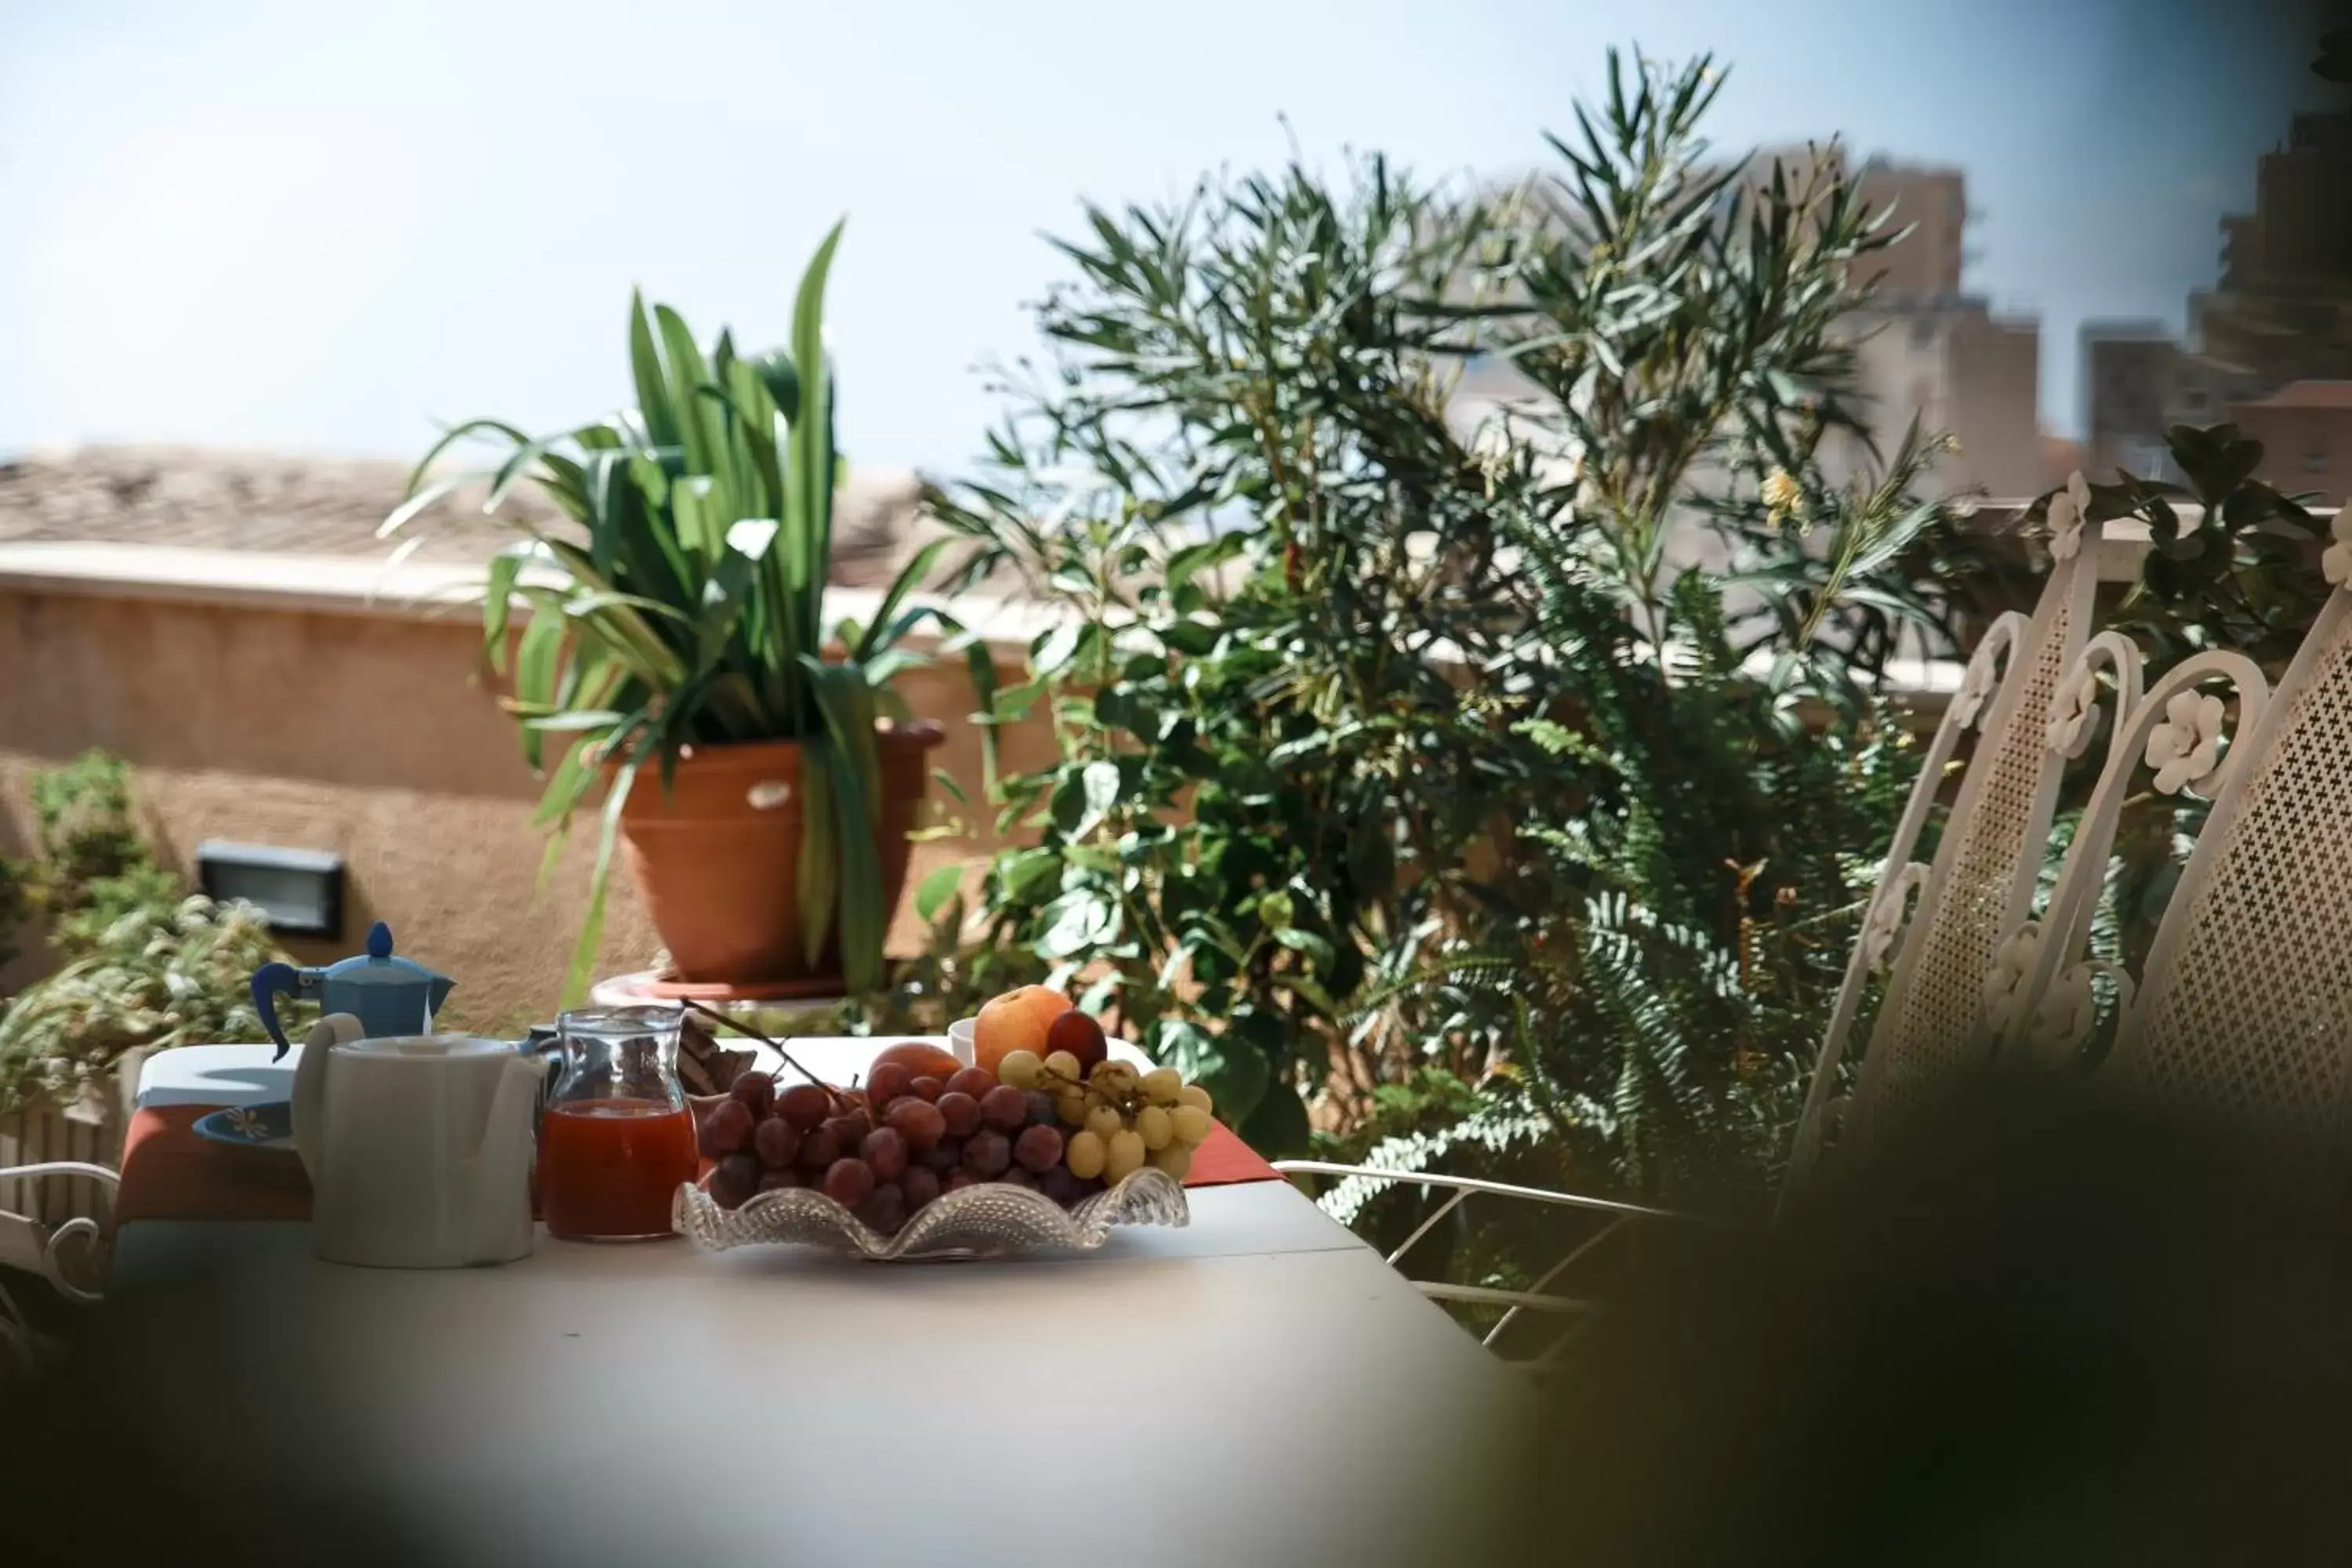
(840, 1100)
(1129, 1105)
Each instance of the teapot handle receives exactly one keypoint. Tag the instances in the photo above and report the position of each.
(272, 981)
(310, 1098)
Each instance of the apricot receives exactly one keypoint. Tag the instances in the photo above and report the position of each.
(1017, 1021)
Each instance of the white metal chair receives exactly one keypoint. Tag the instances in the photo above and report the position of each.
(1941, 922)
(37, 1249)
(69, 1253)
(2244, 1007)
(1533, 1298)
(1980, 886)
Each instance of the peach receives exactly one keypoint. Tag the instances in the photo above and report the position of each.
(1017, 1021)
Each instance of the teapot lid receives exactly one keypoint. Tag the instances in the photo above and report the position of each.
(440, 1047)
(377, 966)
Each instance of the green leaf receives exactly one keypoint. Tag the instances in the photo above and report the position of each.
(1190, 638)
(572, 722)
(809, 478)
(1077, 922)
(1277, 1125)
(407, 511)
(1056, 648)
(447, 439)
(1235, 1076)
(935, 890)
(1098, 787)
(645, 367)
(910, 576)
(537, 659)
(856, 771)
(1194, 558)
(497, 602)
(570, 779)
(1026, 873)
(697, 421)
(1314, 947)
(781, 377)
(818, 880)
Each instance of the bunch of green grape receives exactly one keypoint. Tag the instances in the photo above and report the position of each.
(1120, 1119)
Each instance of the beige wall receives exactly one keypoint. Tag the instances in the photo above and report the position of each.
(362, 733)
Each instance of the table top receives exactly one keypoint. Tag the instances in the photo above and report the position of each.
(1261, 1383)
(247, 1075)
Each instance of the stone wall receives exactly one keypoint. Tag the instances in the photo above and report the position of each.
(292, 707)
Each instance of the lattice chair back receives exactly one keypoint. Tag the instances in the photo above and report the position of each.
(2245, 1004)
(1980, 885)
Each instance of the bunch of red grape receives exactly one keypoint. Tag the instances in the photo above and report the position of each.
(885, 1151)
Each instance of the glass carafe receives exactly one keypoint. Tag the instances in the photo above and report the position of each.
(618, 1137)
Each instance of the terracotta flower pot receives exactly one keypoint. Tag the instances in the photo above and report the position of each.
(717, 857)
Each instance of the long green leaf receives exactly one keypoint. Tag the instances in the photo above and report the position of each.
(688, 377)
(819, 878)
(910, 577)
(406, 512)
(645, 369)
(856, 776)
(498, 601)
(698, 526)
(566, 783)
(450, 437)
(808, 521)
(536, 661)
(588, 604)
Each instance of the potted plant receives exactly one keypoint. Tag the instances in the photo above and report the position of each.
(677, 622)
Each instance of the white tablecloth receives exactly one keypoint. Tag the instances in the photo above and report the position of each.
(1259, 1387)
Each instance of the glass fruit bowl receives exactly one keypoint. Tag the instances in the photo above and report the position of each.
(988, 1219)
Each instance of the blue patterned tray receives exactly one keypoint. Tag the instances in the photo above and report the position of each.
(269, 1125)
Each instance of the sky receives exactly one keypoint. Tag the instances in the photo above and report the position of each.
(320, 228)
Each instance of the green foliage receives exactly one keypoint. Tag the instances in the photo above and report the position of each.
(2243, 577)
(15, 905)
(685, 602)
(2335, 61)
(1396, 739)
(92, 866)
(145, 964)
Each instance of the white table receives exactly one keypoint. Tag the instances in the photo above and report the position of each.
(1257, 1387)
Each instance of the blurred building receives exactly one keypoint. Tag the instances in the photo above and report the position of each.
(2305, 429)
(1929, 350)
(2131, 377)
(2269, 346)
(1927, 263)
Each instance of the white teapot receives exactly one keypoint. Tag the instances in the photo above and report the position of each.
(419, 1147)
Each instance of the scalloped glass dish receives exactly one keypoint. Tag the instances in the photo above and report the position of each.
(986, 1220)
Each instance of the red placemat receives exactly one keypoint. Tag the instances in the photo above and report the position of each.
(170, 1173)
